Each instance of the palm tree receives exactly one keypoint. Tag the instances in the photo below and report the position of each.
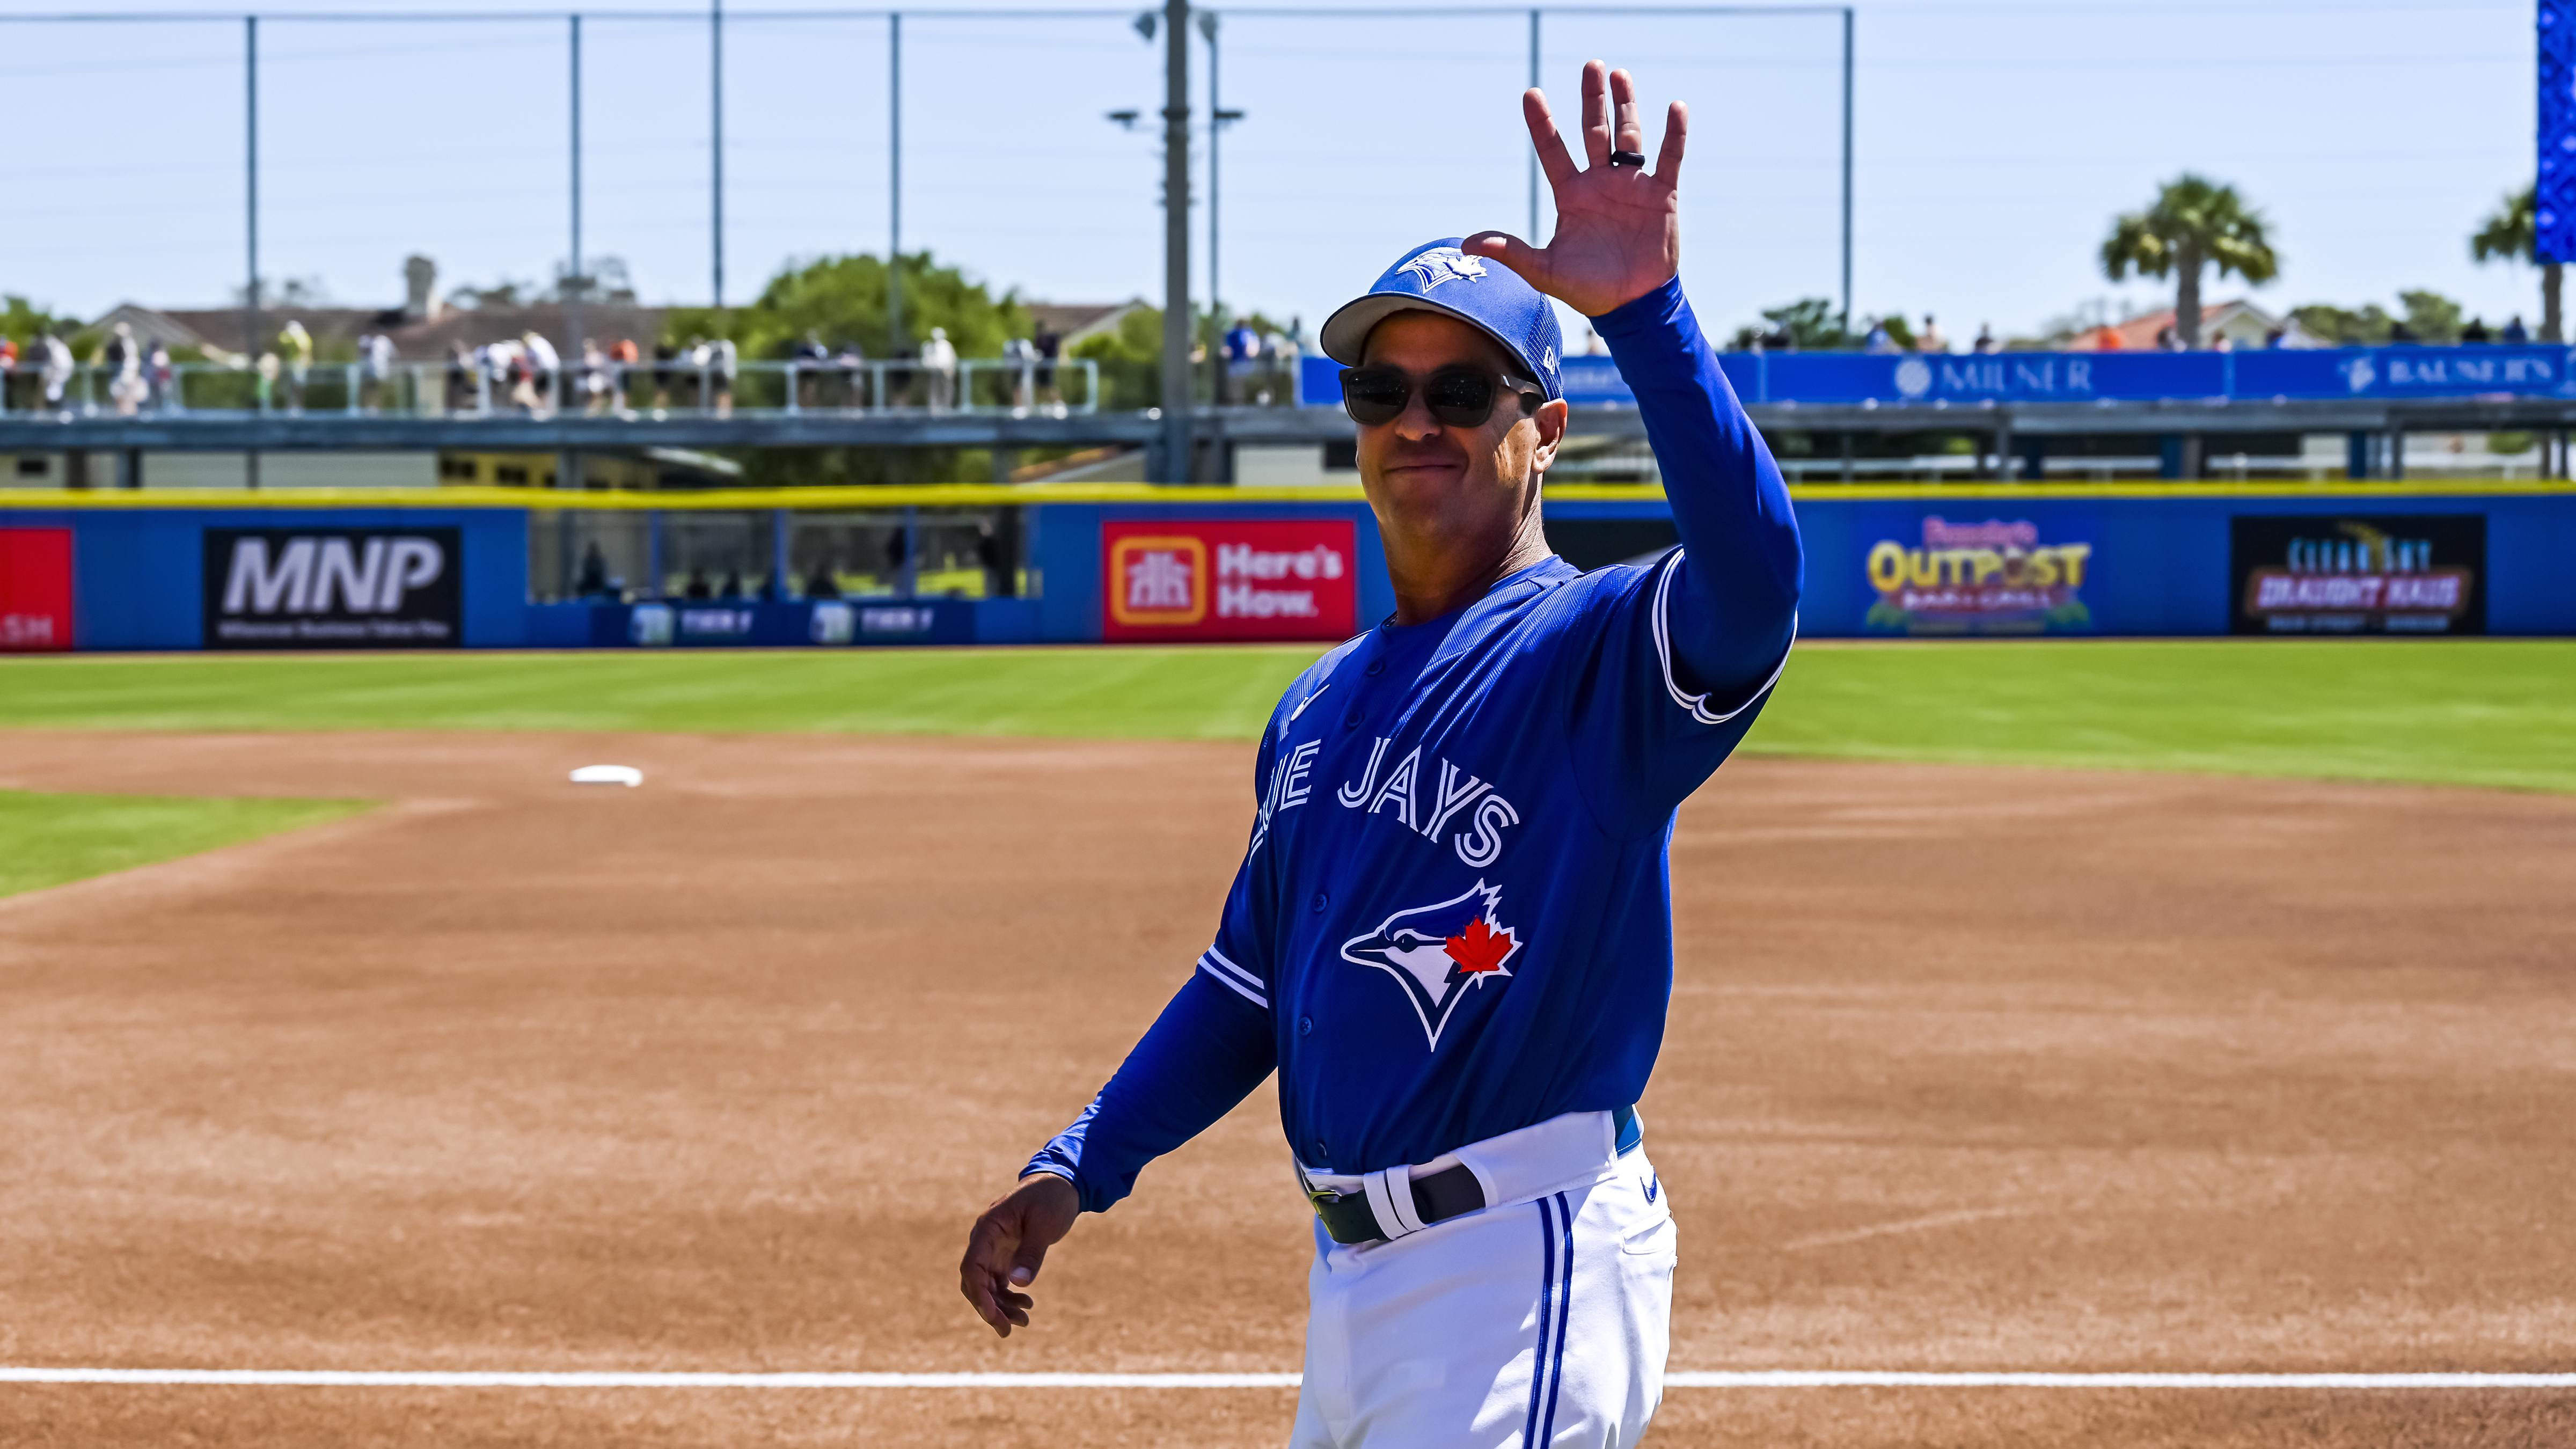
(2513, 233)
(2195, 223)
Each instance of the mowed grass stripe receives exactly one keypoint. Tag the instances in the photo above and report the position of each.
(2464, 712)
(50, 840)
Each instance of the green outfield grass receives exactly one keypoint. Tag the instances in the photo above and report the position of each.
(2472, 712)
(47, 840)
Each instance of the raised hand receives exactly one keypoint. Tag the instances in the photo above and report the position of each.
(1618, 228)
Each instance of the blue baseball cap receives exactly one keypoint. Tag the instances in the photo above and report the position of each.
(1437, 277)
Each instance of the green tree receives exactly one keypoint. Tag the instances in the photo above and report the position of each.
(2367, 327)
(2431, 316)
(21, 321)
(2195, 223)
(1811, 322)
(844, 299)
(2512, 232)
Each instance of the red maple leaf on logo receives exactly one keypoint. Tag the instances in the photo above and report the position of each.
(1480, 948)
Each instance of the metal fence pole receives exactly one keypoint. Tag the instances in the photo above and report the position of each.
(894, 191)
(715, 97)
(1847, 167)
(577, 282)
(250, 176)
(1534, 238)
(1176, 242)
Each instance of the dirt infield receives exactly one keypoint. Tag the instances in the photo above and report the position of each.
(1968, 1069)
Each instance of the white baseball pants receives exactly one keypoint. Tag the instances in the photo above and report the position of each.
(1538, 1323)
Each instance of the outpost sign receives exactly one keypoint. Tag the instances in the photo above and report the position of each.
(354, 588)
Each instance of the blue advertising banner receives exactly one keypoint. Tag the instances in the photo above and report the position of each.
(1979, 379)
(2554, 217)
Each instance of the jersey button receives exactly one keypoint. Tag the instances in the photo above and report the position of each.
(1319, 903)
(1352, 720)
(1377, 666)
(1305, 1026)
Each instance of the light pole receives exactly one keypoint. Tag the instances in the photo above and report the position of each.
(250, 176)
(1218, 118)
(894, 190)
(715, 106)
(1176, 241)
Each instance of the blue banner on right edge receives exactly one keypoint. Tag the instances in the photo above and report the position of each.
(2554, 218)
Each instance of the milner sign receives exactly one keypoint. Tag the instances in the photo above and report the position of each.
(1991, 379)
(372, 588)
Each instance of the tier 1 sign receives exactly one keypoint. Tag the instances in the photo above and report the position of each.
(340, 588)
(2329, 574)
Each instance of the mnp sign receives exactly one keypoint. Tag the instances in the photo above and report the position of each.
(1224, 580)
(35, 589)
(337, 588)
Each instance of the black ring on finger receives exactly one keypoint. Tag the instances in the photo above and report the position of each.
(1628, 158)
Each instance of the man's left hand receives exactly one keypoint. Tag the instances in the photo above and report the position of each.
(1618, 228)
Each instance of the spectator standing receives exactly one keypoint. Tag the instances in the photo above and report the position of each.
(1985, 342)
(57, 374)
(1593, 346)
(268, 369)
(594, 378)
(621, 359)
(726, 358)
(461, 367)
(375, 369)
(295, 348)
(2514, 331)
(1930, 338)
(1022, 360)
(1242, 354)
(2274, 337)
(854, 368)
(8, 372)
(1878, 341)
(811, 358)
(124, 358)
(939, 359)
(665, 353)
(2167, 339)
(544, 365)
(2475, 334)
(593, 583)
(1048, 344)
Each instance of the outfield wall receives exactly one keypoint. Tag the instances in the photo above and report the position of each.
(452, 568)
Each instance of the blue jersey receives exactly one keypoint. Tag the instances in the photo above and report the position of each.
(1453, 918)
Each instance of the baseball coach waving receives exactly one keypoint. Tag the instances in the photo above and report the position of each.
(1451, 934)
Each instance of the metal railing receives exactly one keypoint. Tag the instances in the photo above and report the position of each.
(634, 391)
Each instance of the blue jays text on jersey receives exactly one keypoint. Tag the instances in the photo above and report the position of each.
(1453, 918)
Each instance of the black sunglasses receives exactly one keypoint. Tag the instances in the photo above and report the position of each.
(1459, 395)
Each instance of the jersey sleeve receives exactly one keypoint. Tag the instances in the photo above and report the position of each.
(1211, 1046)
(1689, 648)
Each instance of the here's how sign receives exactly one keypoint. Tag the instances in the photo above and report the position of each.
(339, 588)
(1224, 580)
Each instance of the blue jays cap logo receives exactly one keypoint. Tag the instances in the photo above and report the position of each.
(1443, 264)
(1437, 952)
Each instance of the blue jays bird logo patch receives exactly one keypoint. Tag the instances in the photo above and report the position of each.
(1444, 264)
(1437, 952)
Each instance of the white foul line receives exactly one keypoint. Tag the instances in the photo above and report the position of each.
(1685, 1379)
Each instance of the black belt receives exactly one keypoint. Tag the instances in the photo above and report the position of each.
(1448, 1193)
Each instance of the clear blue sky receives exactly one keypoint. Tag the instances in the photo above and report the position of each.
(1996, 139)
